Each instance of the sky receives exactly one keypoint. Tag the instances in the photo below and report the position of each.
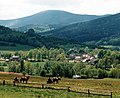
(11, 9)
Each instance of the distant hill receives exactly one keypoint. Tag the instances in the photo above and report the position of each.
(50, 17)
(9, 37)
(94, 30)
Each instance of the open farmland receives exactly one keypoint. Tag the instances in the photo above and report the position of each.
(33, 88)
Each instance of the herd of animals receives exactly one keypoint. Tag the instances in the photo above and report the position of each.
(22, 80)
(26, 78)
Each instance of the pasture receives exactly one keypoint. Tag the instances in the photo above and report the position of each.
(21, 92)
(34, 87)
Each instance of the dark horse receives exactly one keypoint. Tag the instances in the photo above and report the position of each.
(24, 79)
(15, 81)
(56, 79)
(49, 81)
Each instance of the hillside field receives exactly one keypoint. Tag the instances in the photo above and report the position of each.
(33, 88)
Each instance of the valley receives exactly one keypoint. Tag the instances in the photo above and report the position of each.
(82, 50)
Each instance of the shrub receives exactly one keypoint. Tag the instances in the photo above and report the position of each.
(1, 68)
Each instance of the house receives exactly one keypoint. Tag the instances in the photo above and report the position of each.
(76, 76)
(15, 58)
(77, 58)
(72, 56)
(7, 60)
(2, 59)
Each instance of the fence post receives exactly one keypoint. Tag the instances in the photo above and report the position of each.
(42, 86)
(68, 89)
(88, 92)
(111, 95)
(13, 83)
(3, 82)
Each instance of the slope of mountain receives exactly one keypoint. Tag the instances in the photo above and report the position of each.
(50, 17)
(8, 36)
(37, 28)
(93, 30)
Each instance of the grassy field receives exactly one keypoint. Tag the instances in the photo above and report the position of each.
(16, 48)
(103, 86)
(21, 92)
(110, 46)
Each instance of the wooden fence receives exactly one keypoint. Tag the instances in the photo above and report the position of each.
(57, 87)
(86, 91)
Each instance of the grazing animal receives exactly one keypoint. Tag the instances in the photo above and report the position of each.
(55, 80)
(24, 79)
(49, 81)
(59, 78)
(15, 81)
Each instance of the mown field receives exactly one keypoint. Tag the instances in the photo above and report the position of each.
(33, 88)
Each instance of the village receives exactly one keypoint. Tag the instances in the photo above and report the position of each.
(73, 56)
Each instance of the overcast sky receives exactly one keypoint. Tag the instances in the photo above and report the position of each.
(11, 9)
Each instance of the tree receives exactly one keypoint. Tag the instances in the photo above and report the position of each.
(22, 68)
(57, 70)
(1, 68)
(27, 69)
(68, 71)
(107, 62)
(30, 54)
(115, 73)
(104, 63)
(13, 66)
(39, 56)
(38, 69)
(101, 54)
(86, 49)
(43, 72)
(31, 70)
(102, 73)
(61, 57)
(30, 32)
(77, 67)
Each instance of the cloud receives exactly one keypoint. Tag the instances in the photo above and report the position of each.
(10, 9)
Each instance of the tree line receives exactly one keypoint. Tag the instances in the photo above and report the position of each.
(30, 38)
(56, 63)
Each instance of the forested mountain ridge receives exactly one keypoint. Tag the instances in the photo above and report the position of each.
(54, 17)
(93, 30)
(29, 38)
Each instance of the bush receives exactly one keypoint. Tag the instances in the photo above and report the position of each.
(43, 73)
(114, 73)
(23, 73)
(1, 68)
(102, 74)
